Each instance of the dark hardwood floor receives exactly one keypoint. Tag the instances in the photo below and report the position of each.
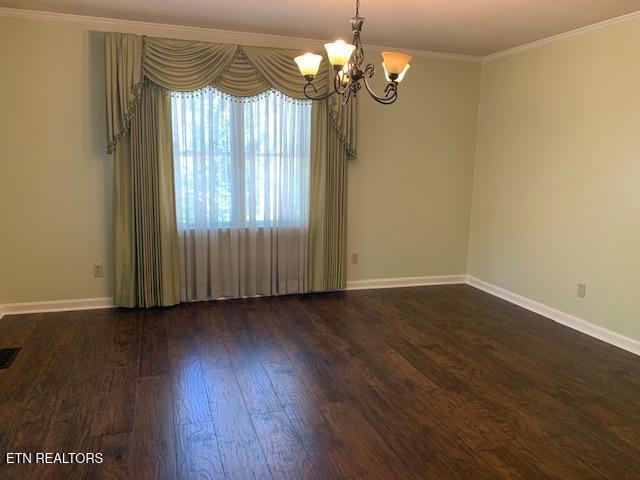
(439, 382)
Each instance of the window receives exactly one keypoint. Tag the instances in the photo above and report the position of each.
(241, 162)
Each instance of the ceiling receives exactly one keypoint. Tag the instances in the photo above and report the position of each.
(473, 27)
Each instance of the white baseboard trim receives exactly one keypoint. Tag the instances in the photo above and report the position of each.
(601, 333)
(56, 306)
(399, 282)
(98, 303)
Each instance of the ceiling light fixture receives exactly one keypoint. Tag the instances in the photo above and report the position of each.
(346, 60)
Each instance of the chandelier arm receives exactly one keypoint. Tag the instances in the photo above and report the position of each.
(338, 86)
(315, 90)
(390, 91)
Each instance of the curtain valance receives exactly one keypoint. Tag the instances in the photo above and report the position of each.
(180, 65)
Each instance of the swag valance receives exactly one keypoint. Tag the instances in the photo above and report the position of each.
(184, 66)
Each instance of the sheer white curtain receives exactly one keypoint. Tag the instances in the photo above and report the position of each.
(242, 193)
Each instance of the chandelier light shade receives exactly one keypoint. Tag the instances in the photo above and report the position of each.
(394, 62)
(350, 76)
(339, 52)
(400, 75)
(308, 64)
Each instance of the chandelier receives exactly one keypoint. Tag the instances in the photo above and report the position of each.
(346, 59)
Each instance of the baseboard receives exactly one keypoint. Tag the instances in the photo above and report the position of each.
(399, 282)
(56, 306)
(601, 333)
(97, 303)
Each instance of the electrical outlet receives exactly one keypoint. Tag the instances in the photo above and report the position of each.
(582, 290)
(354, 259)
(98, 270)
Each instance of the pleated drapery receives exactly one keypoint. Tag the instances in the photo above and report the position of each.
(146, 242)
(327, 231)
(134, 66)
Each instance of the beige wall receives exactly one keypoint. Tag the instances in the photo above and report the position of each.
(409, 197)
(410, 189)
(55, 179)
(557, 183)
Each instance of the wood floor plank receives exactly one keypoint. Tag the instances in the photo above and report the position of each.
(365, 448)
(256, 387)
(116, 457)
(71, 423)
(154, 354)
(15, 383)
(240, 450)
(282, 447)
(298, 388)
(198, 452)
(210, 340)
(190, 400)
(32, 422)
(153, 446)
(115, 411)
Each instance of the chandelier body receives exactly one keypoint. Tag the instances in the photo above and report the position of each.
(350, 75)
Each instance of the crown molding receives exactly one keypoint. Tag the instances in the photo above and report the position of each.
(561, 36)
(210, 34)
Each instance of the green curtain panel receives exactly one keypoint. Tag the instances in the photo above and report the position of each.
(139, 73)
(146, 238)
(332, 144)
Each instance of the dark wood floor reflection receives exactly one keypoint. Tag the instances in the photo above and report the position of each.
(439, 382)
